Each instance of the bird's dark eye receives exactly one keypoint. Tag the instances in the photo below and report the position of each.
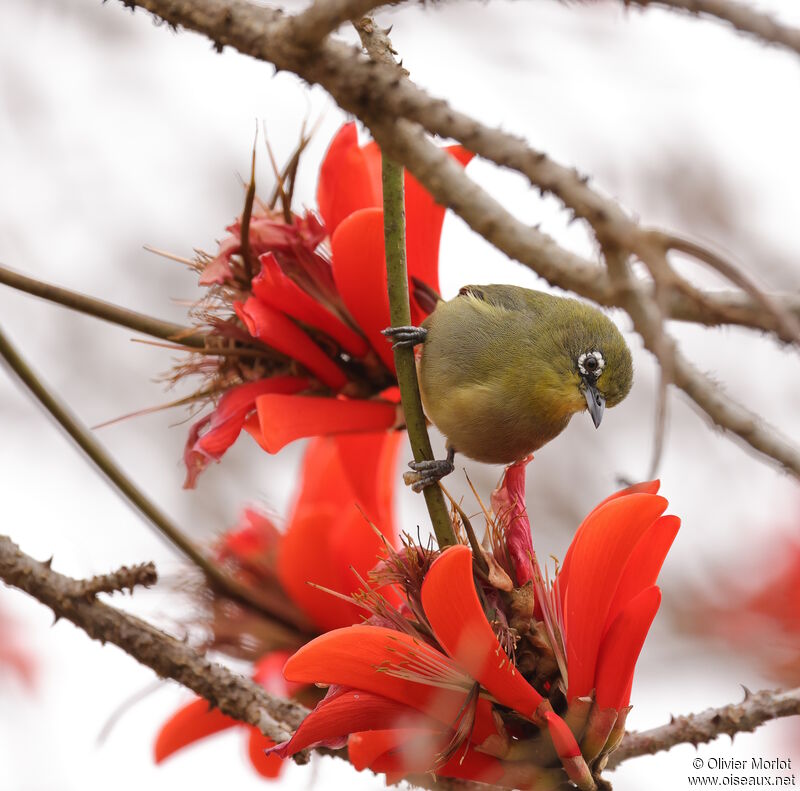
(591, 363)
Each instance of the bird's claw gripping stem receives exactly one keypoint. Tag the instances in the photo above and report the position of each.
(405, 337)
(428, 472)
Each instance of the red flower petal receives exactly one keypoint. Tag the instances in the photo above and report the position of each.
(227, 420)
(562, 736)
(326, 518)
(359, 269)
(366, 746)
(282, 334)
(424, 219)
(459, 623)
(645, 487)
(347, 178)
(648, 487)
(600, 552)
(275, 289)
(359, 262)
(187, 725)
(219, 270)
(369, 461)
(644, 564)
(621, 647)
(252, 544)
(283, 419)
(381, 661)
(269, 766)
(354, 710)
(268, 671)
(415, 751)
(301, 570)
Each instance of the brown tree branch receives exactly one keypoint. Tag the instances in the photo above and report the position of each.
(756, 709)
(234, 695)
(740, 16)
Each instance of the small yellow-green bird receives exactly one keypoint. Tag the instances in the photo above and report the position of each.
(504, 368)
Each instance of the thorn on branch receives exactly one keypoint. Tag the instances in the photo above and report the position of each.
(142, 574)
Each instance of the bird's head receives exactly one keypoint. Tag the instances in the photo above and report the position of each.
(593, 363)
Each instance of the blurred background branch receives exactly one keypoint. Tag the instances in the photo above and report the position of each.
(739, 15)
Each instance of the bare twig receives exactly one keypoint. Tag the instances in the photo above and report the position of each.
(756, 709)
(739, 15)
(276, 608)
(143, 574)
(233, 694)
(102, 310)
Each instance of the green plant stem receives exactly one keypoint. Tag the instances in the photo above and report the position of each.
(394, 226)
(275, 607)
(102, 310)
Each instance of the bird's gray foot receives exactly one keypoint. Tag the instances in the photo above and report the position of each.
(405, 337)
(429, 472)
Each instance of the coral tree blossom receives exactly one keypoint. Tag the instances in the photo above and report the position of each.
(13, 657)
(487, 671)
(328, 541)
(755, 609)
(294, 320)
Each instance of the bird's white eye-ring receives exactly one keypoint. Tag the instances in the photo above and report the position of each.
(591, 364)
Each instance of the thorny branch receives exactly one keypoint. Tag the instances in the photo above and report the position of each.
(233, 694)
(756, 709)
(399, 114)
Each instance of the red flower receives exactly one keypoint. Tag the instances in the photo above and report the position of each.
(439, 692)
(350, 199)
(13, 657)
(307, 322)
(225, 423)
(328, 542)
(756, 611)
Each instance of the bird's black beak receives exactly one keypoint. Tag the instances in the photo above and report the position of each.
(595, 402)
